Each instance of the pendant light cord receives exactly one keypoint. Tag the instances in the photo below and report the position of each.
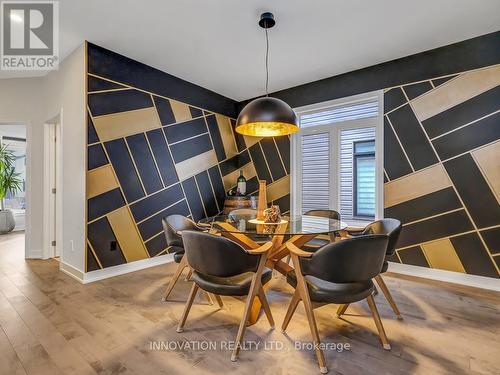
(267, 64)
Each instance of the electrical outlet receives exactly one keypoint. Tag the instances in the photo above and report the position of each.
(113, 246)
(72, 245)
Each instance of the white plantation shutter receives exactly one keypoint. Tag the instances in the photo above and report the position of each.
(346, 112)
(315, 182)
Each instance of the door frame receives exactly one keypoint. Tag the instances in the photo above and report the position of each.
(378, 123)
(52, 205)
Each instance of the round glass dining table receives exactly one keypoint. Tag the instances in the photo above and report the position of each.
(250, 233)
(289, 225)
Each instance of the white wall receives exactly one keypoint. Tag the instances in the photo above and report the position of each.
(64, 90)
(21, 102)
(34, 101)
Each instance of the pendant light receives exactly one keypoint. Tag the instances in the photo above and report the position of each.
(267, 117)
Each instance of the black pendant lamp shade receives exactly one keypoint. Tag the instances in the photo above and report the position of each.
(267, 117)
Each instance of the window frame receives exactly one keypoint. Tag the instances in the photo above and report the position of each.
(335, 129)
(355, 157)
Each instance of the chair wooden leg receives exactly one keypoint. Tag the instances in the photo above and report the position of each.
(291, 310)
(183, 264)
(304, 295)
(388, 296)
(265, 305)
(189, 274)
(378, 323)
(254, 312)
(219, 300)
(208, 297)
(252, 292)
(187, 307)
(243, 324)
(342, 309)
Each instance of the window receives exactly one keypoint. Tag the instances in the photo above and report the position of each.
(335, 158)
(364, 179)
(348, 139)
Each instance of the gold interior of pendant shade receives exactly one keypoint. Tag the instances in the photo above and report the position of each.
(266, 129)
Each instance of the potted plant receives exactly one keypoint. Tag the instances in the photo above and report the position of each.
(9, 182)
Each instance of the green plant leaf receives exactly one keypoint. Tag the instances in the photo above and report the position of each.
(9, 179)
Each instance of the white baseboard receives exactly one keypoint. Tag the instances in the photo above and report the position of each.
(105, 273)
(71, 271)
(447, 276)
(404, 269)
(34, 254)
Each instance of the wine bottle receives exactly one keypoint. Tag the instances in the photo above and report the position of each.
(241, 187)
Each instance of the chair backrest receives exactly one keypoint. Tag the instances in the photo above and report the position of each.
(389, 227)
(347, 261)
(329, 214)
(174, 223)
(217, 256)
(244, 213)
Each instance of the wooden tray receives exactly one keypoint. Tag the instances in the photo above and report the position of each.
(262, 222)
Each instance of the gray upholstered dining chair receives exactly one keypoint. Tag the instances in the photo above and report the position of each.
(341, 273)
(172, 226)
(223, 267)
(329, 214)
(248, 214)
(391, 228)
(321, 240)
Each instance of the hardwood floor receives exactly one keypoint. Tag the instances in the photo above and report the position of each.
(51, 324)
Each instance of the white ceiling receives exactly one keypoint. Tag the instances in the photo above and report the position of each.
(217, 44)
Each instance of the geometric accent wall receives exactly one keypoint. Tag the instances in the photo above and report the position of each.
(157, 146)
(150, 156)
(442, 171)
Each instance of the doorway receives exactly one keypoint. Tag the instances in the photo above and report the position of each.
(13, 142)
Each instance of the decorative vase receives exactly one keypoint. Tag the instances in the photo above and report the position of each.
(262, 203)
(272, 214)
(7, 222)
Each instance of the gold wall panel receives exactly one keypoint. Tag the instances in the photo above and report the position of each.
(278, 189)
(181, 111)
(196, 164)
(488, 159)
(100, 180)
(415, 185)
(441, 254)
(226, 133)
(250, 141)
(456, 91)
(127, 235)
(122, 124)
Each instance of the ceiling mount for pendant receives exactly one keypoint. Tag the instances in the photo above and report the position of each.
(267, 20)
(266, 116)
